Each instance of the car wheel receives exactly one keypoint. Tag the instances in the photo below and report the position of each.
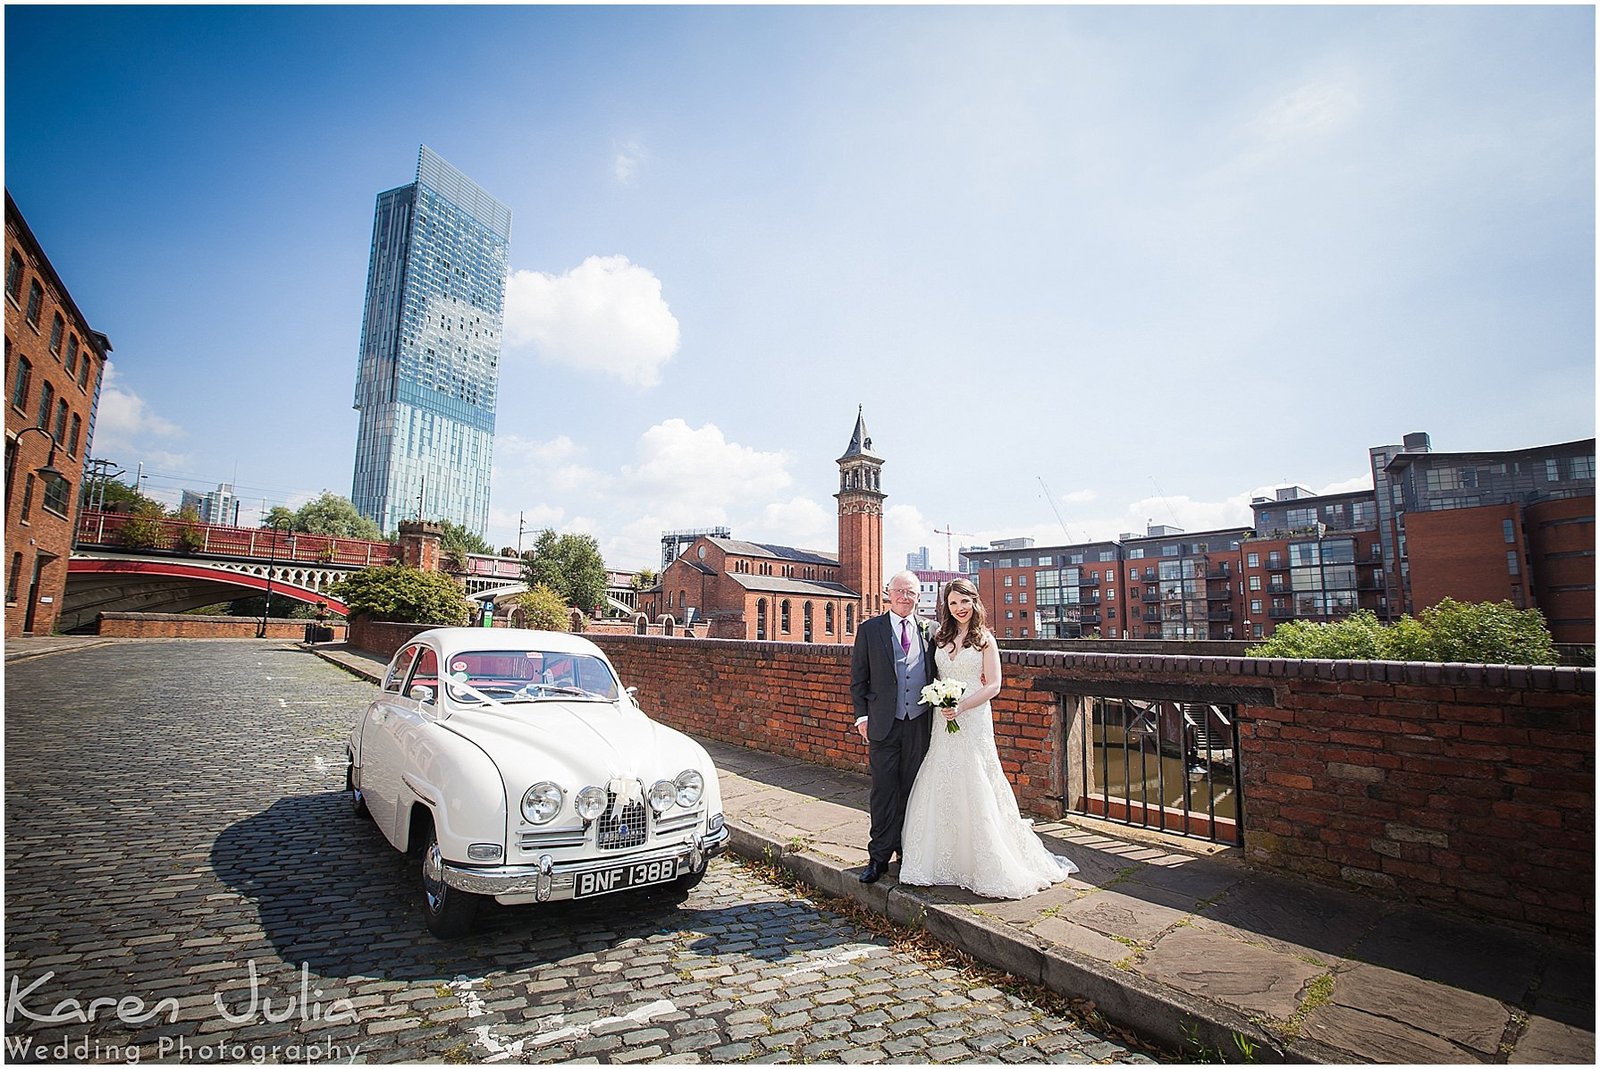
(358, 804)
(447, 910)
(691, 881)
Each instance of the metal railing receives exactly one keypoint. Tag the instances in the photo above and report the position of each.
(1170, 766)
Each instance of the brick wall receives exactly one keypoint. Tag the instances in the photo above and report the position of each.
(1468, 787)
(181, 625)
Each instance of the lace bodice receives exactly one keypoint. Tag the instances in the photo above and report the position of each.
(966, 665)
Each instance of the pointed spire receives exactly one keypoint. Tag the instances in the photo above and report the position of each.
(860, 441)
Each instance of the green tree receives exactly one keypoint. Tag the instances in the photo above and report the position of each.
(570, 565)
(403, 594)
(544, 608)
(644, 579)
(143, 528)
(119, 497)
(1484, 633)
(191, 539)
(329, 514)
(455, 542)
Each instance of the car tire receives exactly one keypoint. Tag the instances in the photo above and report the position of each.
(358, 804)
(691, 881)
(447, 911)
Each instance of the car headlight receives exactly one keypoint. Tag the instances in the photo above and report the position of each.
(542, 802)
(590, 803)
(662, 795)
(690, 786)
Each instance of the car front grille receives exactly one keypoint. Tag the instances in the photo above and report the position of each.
(622, 826)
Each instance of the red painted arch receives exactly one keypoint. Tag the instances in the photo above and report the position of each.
(180, 570)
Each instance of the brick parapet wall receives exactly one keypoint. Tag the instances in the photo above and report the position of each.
(1467, 786)
(182, 625)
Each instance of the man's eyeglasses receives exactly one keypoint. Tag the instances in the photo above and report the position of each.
(893, 590)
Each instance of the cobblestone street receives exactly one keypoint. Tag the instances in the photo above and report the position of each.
(185, 882)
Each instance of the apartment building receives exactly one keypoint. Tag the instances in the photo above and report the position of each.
(54, 365)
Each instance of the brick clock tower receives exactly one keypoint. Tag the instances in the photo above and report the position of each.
(861, 520)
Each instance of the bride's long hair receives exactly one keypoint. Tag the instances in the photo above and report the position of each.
(977, 625)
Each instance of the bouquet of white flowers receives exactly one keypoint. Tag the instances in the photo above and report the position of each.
(945, 693)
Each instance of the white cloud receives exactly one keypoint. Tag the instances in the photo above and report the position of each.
(798, 522)
(123, 422)
(1314, 108)
(698, 467)
(605, 315)
(627, 160)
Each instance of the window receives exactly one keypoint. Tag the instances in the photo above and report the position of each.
(72, 355)
(1255, 582)
(14, 276)
(27, 498)
(83, 372)
(1513, 565)
(59, 433)
(761, 620)
(783, 616)
(1022, 598)
(1008, 602)
(1008, 583)
(827, 619)
(1111, 593)
(14, 578)
(1044, 562)
(1024, 562)
(1106, 554)
(36, 302)
(1583, 467)
(57, 325)
(77, 431)
(1552, 468)
(1508, 531)
(1252, 560)
(807, 616)
(57, 495)
(47, 402)
(1255, 606)
(1022, 580)
(849, 619)
(19, 389)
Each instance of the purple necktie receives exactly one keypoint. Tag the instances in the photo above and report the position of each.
(905, 636)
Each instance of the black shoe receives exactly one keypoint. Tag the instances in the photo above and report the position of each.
(873, 870)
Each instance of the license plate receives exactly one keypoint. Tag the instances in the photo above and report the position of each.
(620, 877)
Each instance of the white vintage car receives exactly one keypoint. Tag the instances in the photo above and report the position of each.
(517, 767)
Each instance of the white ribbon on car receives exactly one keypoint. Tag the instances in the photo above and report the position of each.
(627, 789)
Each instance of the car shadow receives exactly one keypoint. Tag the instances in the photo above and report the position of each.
(334, 897)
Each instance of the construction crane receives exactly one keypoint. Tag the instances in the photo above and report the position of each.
(949, 552)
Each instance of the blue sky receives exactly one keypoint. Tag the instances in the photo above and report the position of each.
(1152, 260)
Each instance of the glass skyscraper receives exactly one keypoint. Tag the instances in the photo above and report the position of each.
(430, 351)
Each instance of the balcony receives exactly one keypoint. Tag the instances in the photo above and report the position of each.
(1277, 588)
(1277, 564)
(1150, 597)
(1221, 572)
(1089, 580)
(1220, 614)
(1281, 614)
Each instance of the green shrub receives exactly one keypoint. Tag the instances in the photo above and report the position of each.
(1483, 633)
(402, 594)
(544, 608)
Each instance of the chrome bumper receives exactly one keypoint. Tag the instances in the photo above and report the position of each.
(555, 881)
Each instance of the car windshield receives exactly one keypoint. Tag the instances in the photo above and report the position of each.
(528, 676)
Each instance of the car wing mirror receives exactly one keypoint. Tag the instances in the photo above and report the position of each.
(633, 695)
(420, 693)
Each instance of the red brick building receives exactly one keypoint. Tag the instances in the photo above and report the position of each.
(1515, 525)
(727, 588)
(54, 365)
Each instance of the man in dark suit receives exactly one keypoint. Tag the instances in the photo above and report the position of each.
(891, 662)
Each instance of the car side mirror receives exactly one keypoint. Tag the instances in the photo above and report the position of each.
(633, 695)
(420, 693)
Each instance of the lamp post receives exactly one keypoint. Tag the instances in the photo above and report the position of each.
(272, 560)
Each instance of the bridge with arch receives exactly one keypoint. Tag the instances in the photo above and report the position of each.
(122, 563)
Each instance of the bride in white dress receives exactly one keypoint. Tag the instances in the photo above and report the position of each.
(962, 824)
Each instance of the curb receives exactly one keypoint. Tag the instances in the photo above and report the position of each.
(1161, 1015)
